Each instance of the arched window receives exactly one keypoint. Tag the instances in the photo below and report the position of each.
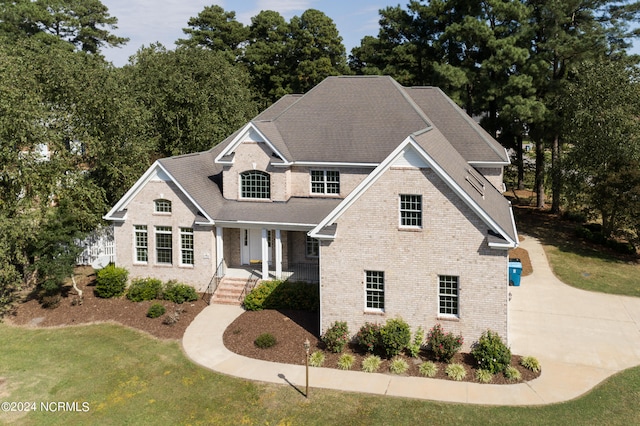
(162, 206)
(255, 184)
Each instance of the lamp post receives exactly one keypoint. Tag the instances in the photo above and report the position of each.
(307, 345)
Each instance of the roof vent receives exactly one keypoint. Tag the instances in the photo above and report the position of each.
(476, 181)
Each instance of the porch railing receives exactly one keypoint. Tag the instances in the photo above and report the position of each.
(307, 272)
(215, 281)
(249, 285)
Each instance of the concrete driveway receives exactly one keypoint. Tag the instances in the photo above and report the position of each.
(580, 337)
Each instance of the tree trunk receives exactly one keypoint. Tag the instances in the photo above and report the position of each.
(540, 174)
(520, 162)
(556, 174)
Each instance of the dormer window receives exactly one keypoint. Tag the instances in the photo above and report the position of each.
(162, 206)
(255, 184)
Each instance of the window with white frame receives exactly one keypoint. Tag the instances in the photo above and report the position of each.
(186, 246)
(164, 245)
(142, 243)
(375, 290)
(312, 247)
(411, 211)
(162, 206)
(325, 182)
(448, 301)
(255, 184)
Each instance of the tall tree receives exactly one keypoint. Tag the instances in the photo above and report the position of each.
(195, 96)
(84, 23)
(215, 29)
(601, 104)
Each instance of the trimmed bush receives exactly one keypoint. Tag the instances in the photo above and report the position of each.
(483, 376)
(278, 294)
(416, 344)
(111, 281)
(443, 345)
(512, 374)
(371, 364)
(491, 353)
(336, 337)
(395, 335)
(179, 293)
(265, 340)
(428, 369)
(368, 337)
(144, 289)
(456, 371)
(316, 359)
(156, 310)
(398, 366)
(530, 363)
(346, 361)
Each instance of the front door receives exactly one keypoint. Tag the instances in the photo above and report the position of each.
(251, 245)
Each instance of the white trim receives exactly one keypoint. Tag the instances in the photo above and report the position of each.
(489, 164)
(140, 184)
(265, 253)
(239, 139)
(271, 225)
(409, 142)
(326, 164)
(278, 248)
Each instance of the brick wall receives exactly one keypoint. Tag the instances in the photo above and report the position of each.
(451, 242)
(141, 211)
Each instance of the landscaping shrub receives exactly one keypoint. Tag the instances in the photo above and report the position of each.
(179, 293)
(530, 363)
(415, 346)
(368, 337)
(395, 335)
(265, 340)
(456, 371)
(316, 359)
(512, 374)
(278, 294)
(155, 310)
(371, 364)
(50, 300)
(483, 376)
(174, 317)
(111, 281)
(336, 337)
(491, 353)
(443, 345)
(398, 366)
(346, 361)
(428, 369)
(144, 289)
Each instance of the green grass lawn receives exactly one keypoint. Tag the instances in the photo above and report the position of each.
(129, 378)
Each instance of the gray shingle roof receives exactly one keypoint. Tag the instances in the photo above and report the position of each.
(361, 119)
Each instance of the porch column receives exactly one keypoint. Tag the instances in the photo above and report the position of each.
(278, 255)
(219, 249)
(265, 255)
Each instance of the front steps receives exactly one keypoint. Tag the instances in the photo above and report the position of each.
(230, 291)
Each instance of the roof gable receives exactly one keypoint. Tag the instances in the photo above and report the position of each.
(249, 133)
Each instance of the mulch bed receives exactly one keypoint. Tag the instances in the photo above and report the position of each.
(292, 328)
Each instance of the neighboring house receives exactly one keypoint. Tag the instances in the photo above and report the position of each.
(392, 195)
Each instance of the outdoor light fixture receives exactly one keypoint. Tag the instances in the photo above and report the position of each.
(307, 345)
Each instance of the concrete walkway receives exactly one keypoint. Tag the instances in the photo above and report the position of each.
(580, 338)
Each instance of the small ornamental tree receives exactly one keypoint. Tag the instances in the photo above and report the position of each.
(443, 345)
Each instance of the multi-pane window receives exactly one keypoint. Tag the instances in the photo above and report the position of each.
(164, 245)
(142, 243)
(163, 206)
(375, 289)
(255, 184)
(186, 246)
(411, 210)
(325, 182)
(312, 246)
(448, 295)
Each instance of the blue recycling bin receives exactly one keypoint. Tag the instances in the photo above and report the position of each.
(515, 271)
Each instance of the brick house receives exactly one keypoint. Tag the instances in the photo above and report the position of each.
(389, 196)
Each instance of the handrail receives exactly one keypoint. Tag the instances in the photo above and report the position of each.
(215, 281)
(249, 285)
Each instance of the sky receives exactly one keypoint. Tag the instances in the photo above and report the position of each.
(148, 21)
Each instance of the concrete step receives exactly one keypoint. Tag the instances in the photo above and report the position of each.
(230, 291)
